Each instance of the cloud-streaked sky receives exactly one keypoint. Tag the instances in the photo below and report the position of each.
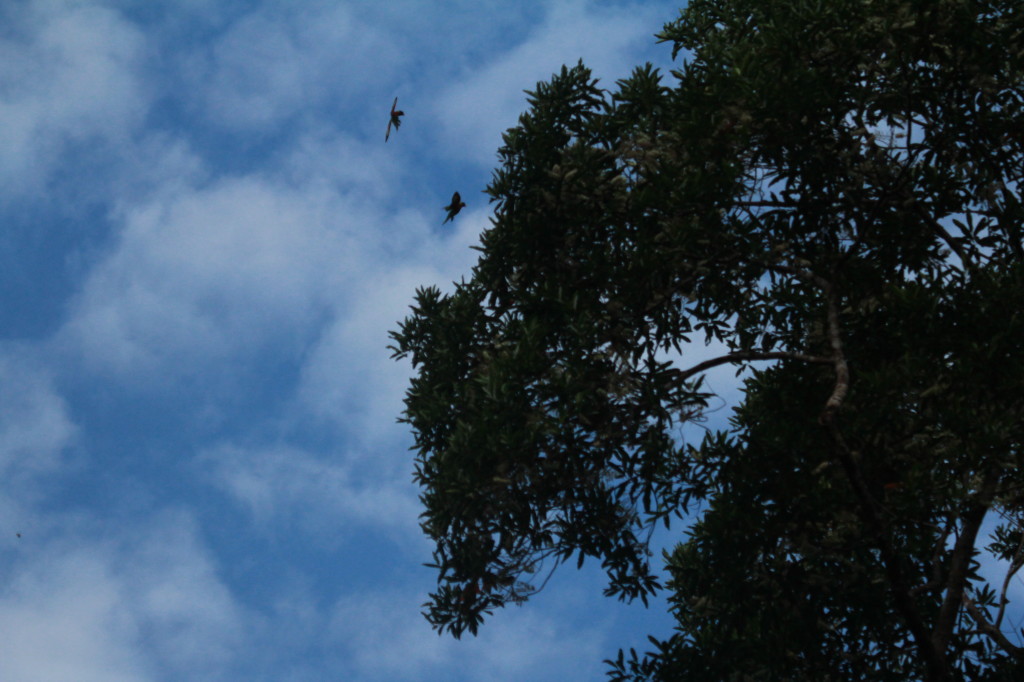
(204, 243)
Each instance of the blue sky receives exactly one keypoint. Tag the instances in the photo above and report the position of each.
(205, 242)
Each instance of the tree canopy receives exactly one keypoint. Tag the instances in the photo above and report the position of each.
(830, 193)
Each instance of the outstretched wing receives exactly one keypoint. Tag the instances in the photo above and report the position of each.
(391, 118)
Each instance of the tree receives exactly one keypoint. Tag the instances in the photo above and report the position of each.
(831, 192)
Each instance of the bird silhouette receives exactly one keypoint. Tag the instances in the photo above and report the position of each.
(395, 120)
(454, 207)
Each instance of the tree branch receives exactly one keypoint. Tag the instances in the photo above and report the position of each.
(934, 658)
(960, 561)
(935, 582)
(991, 630)
(1015, 565)
(740, 356)
(806, 275)
(765, 203)
(842, 385)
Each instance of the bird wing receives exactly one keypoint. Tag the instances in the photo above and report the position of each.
(391, 120)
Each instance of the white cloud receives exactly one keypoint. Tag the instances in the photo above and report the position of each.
(385, 638)
(285, 488)
(188, 618)
(349, 377)
(324, 157)
(146, 605)
(480, 106)
(200, 276)
(36, 434)
(34, 423)
(282, 60)
(64, 619)
(227, 269)
(72, 76)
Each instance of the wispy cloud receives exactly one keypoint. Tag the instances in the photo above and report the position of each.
(328, 499)
(142, 603)
(205, 274)
(518, 645)
(71, 75)
(35, 427)
(483, 103)
(285, 60)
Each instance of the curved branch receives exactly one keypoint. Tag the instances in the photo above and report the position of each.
(991, 630)
(740, 356)
(842, 385)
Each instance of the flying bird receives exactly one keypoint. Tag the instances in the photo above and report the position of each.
(395, 120)
(454, 207)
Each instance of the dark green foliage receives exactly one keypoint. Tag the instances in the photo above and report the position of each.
(830, 186)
